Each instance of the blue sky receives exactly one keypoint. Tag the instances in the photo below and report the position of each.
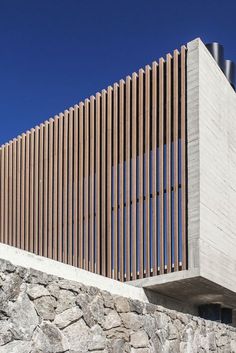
(56, 53)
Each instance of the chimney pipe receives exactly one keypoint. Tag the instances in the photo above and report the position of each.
(229, 71)
(217, 51)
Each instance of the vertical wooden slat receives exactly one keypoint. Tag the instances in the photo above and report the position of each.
(23, 192)
(183, 155)
(31, 192)
(154, 168)
(91, 181)
(115, 179)
(75, 192)
(81, 182)
(121, 178)
(45, 190)
(10, 216)
(161, 162)
(50, 187)
(86, 186)
(70, 188)
(127, 172)
(6, 197)
(14, 190)
(98, 182)
(65, 187)
(55, 188)
(109, 180)
(147, 165)
(36, 192)
(41, 166)
(103, 182)
(134, 176)
(176, 153)
(141, 152)
(2, 192)
(60, 187)
(18, 201)
(27, 161)
(168, 161)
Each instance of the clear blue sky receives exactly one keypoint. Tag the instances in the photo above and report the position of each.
(56, 53)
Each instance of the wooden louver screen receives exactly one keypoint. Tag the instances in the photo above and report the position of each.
(103, 185)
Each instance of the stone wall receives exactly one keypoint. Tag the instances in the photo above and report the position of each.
(40, 313)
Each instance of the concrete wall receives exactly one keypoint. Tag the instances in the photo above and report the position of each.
(41, 313)
(212, 168)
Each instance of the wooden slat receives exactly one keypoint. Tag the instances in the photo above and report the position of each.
(22, 234)
(154, 167)
(109, 181)
(140, 172)
(121, 179)
(2, 193)
(55, 188)
(127, 172)
(36, 191)
(14, 191)
(86, 186)
(91, 181)
(50, 187)
(41, 139)
(115, 180)
(183, 155)
(26, 195)
(60, 186)
(45, 190)
(175, 157)
(65, 187)
(161, 162)
(10, 215)
(168, 161)
(70, 187)
(18, 188)
(32, 235)
(81, 182)
(103, 182)
(134, 176)
(98, 183)
(76, 178)
(6, 192)
(147, 164)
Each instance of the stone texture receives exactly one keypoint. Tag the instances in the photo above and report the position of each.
(44, 314)
(67, 317)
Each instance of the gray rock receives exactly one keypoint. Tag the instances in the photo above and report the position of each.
(119, 332)
(6, 266)
(131, 320)
(122, 304)
(35, 291)
(83, 299)
(67, 317)
(172, 332)
(117, 345)
(54, 290)
(5, 333)
(45, 307)
(70, 285)
(136, 306)
(97, 340)
(24, 318)
(49, 339)
(97, 309)
(11, 287)
(16, 347)
(140, 350)
(108, 299)
(139, 339)
(111, 320)
(65, 301)
(161, 320)
(78, 336)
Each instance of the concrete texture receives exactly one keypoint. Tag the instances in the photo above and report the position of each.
(41, 313)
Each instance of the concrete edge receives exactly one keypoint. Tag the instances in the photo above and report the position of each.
(166, 278)
(29, 260)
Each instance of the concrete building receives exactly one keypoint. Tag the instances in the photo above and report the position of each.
(136, 184)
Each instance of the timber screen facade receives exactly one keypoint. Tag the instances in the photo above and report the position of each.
(102, 186)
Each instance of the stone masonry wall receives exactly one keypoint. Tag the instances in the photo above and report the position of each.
(40, 313)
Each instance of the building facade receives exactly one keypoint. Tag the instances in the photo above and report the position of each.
(136, 183)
